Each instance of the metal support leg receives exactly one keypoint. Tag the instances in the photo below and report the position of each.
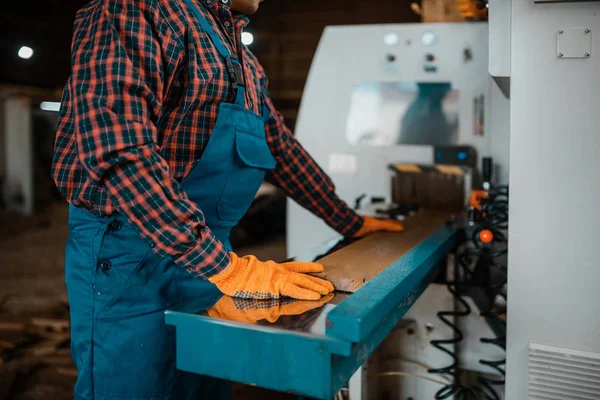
(356, 386)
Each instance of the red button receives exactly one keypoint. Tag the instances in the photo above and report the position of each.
(486, 236)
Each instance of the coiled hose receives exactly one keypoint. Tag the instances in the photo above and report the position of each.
(492, 217)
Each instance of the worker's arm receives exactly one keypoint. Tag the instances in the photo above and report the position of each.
(119, 75)
(304, 181)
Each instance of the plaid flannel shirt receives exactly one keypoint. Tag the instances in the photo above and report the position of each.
(138, 111)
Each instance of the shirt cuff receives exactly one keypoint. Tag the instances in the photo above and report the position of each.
(349, 223)
(206, 259)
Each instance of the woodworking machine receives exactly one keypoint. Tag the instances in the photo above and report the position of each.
(412, 67)
(382, 97)
(315, 358)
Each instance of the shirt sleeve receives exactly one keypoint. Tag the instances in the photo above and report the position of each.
(117, 81)
(301, 178)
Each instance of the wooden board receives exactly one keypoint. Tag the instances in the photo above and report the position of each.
(353, 266)
(440, 11)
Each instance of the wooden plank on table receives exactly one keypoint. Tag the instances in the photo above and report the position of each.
(351, 267)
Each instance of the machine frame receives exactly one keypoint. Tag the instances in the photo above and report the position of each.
(316, 365)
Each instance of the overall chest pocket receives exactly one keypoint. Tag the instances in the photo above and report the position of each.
(253, 159)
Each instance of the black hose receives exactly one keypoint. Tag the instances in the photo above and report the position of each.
(487, 257)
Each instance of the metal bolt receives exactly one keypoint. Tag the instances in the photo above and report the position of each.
(429, 326)
(560, 55)
(587, 54)
(560, 32)
(587, 30)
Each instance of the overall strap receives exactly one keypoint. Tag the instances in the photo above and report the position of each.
(266, 112)
(234, 67)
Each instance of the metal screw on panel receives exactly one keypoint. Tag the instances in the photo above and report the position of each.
(560, 32)
(560, 55)
(587, 54)
(429, 326)
(587, 31)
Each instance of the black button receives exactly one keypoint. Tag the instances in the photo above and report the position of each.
(115, 226)
(105, 265)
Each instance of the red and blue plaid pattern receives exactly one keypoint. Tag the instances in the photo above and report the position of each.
(137, 113)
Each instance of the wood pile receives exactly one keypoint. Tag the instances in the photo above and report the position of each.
(31, 345)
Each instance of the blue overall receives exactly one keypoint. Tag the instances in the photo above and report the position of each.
(119, 288)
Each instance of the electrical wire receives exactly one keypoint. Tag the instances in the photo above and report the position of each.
(469, 261)
(453, 389)
(417, 363)
(495, 218)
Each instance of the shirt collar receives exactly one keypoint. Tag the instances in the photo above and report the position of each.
(240, 20)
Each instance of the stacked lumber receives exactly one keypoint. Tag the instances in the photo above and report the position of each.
(30, 348)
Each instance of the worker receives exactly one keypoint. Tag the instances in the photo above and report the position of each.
(166, 131)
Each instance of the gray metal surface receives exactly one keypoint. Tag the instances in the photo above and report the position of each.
(348, 55)
(553, 276)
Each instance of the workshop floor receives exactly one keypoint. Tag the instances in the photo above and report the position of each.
(33, 303)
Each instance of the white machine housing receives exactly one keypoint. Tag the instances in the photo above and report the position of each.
(349, 55)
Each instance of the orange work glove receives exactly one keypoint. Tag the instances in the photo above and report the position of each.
(371, 225)
(249, 278)
(252, 311)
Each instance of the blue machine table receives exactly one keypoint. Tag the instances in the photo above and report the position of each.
(308, 348)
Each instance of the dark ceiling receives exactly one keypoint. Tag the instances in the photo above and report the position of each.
(46, 25)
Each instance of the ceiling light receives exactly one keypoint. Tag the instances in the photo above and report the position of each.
(247, 38)
(50, 106)
(25, 52)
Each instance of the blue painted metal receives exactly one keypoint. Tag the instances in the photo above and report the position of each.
(283, 360)
(312, 365)
(359, 315)
(345, 367)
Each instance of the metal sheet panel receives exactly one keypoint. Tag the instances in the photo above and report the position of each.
(360, 315)
(553, 268)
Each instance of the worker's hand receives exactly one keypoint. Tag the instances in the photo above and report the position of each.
(252, 311)
(249, 278)
(371, 225)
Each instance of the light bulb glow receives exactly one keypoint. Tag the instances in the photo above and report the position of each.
(25, 52)
(247, 38)
(50, 106)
